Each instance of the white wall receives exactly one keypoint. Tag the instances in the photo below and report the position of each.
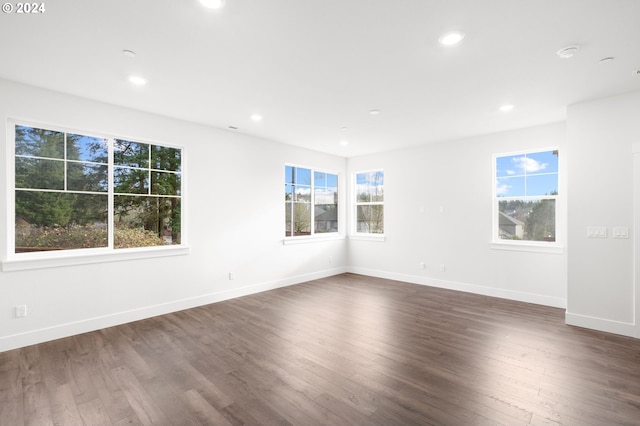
(602, 293)
(458, 177)
(235, 221)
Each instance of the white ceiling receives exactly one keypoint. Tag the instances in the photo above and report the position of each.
(313, 67)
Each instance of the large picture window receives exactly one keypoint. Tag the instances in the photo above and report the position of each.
(369, 202)
(526, 193)
(74, 190)
(311, 202)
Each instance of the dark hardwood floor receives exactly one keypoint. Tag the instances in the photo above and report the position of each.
(346, 350)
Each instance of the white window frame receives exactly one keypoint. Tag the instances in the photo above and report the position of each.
(497, 243)
(323, 236)
(355, 234)
(13, 261)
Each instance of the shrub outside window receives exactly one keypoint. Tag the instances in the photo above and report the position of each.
(74, 190)
(526, 193)
(311, 202)
(369, 203)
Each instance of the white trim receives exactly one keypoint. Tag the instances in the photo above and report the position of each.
(527, 246)
(538, 299)
(601, 324)
(73, 257)
(317, 238)
(69, 329)
(368, 237)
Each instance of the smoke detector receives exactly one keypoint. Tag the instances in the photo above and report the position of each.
(568, 52)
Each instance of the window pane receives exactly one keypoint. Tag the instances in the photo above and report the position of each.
(288, 230)
(132, 154)
(164, 158)
(370, 187)
(87, 148)
(326, 218)
(370, 219)
(303, 193)
(319, 179)
(35, 173)
(145, 221)
(34, 142)
(60, 221)
(527, 220)
(542, 162)
(510, 187)
(326, 196)
(131, 181)
(542, 185)
(302, 176)
(301, 219)
(87, 177)
(165, 183)
(288, 174)
(288, 192)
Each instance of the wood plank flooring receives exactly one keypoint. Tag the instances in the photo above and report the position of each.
(346, 350)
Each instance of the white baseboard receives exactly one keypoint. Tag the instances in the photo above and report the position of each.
(91, 324)
(538, 299)
(609, 326)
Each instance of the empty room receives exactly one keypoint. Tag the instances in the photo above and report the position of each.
(354, 212)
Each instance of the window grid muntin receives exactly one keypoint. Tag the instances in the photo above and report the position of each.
(291, 177)
(498, 198)
(109, 193)
(373, 187)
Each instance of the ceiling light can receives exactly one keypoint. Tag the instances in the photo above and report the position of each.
(451, 38)
(213, 4)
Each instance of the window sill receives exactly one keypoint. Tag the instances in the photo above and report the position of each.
(312, 239)
(37, 261)
(368, 237)
(528, 247)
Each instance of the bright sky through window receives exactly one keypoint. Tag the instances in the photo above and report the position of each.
(532, 174)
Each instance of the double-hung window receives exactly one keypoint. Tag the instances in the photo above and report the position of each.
(311, 202)
(88, 193)
(526, 195)
(369, 202)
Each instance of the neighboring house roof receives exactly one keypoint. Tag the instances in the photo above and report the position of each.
(506, 220)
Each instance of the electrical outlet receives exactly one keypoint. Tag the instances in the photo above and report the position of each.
(422, 265)
(443, 268)
(232, 276)
(21, 311)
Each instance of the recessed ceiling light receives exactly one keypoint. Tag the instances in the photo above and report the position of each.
(374, 112)
(256, 117)
(606, 60)
(344, 143)
(451, 38)
(506, 108)
(233, 128)
(129, 53)
(213, 4)
(137, 80)
(568, 52)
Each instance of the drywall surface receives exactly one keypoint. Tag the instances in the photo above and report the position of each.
(234, 208)
(602, 176)
(438, 210)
